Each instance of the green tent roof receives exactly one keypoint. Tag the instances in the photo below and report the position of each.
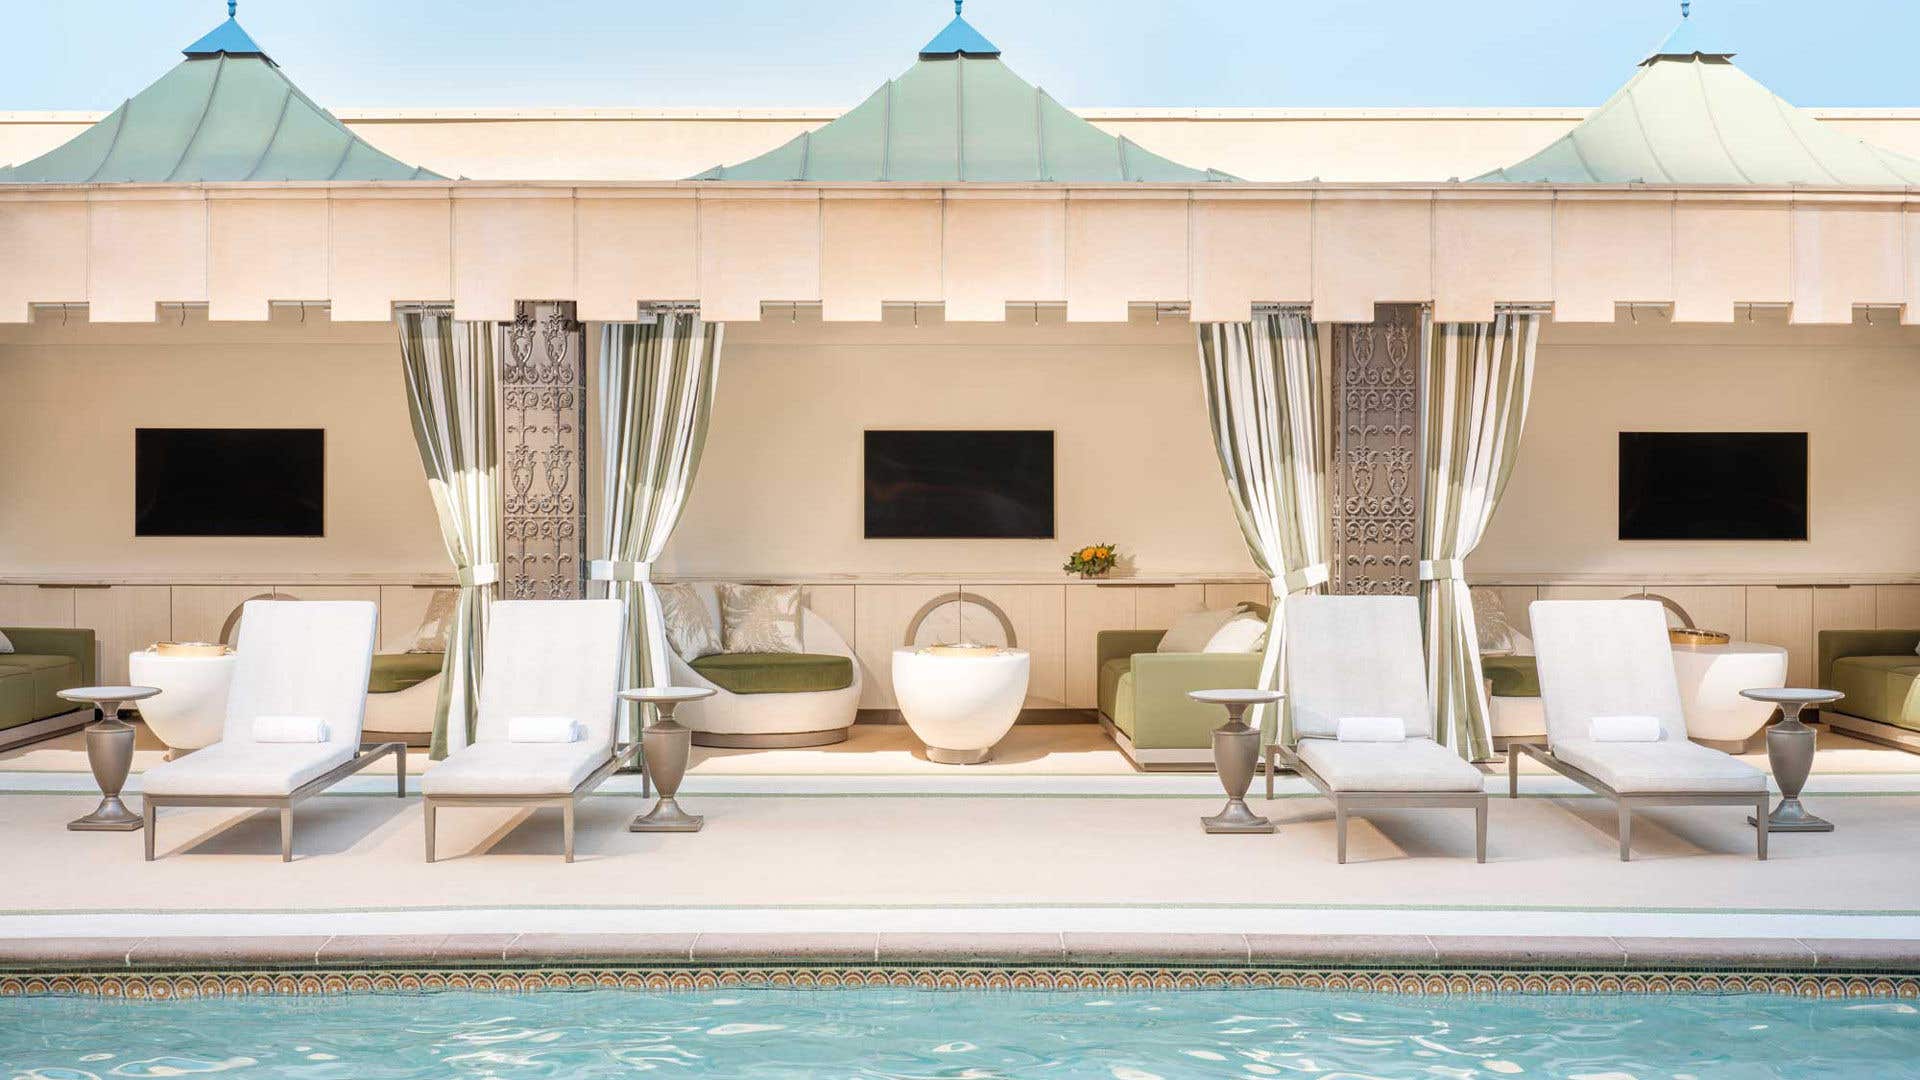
(960, 114)
(1691, 116)
(226, 112)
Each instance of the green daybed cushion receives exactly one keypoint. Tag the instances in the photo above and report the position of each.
(16, 697)
(1512, 676)
(394, 672)
(775, 673)
(1111, 673)
(1878, 688)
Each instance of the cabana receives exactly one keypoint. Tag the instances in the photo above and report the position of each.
(960, 251)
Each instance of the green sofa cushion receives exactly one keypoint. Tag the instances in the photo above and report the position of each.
(1879, 688)
(16, 697)
(775, 673)
(394, 672)
(1110, 675)
(1512, 676)
(48, 675)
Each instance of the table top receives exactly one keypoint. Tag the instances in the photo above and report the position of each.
(986, 652)
(1733, 648)
(1789, 695)
(109, 693)
(1236, 697)
(664, 695)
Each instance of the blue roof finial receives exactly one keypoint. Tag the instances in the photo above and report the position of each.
(959, 39)
(233, 9)
(227, 39)
(1686, 9)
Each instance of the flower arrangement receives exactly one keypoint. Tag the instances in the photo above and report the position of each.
(1092, 561)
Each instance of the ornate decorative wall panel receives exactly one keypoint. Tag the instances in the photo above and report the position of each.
(1376, 432)
(543, 404)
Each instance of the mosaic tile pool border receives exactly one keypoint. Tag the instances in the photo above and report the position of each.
(189, 985)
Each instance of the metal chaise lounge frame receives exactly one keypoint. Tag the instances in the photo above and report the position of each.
(1652, 621)
(568, 803)
(543, 636)
(1380, 632)
(366, 756)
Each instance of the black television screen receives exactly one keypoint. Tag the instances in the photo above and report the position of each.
(1713, 485)
(959, 485)
(229, 482)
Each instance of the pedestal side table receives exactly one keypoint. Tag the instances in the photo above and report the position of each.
(1236, 750)
(1790, 747)
(109, 754)
(665, 745)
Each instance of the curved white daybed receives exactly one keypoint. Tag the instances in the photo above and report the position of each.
(764, 721)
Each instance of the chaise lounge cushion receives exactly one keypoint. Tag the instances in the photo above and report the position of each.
(1671, 765)
(47, 676)
(775, 673)
(248, 769)
(1413, 765)
(503, 768)
(394, 672)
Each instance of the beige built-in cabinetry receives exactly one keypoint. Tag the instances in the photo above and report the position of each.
(1789, 614)
(126, 617)
(1055, 618)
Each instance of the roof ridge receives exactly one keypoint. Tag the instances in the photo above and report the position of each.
(118, 126)
(286, 105)
(1713, 121)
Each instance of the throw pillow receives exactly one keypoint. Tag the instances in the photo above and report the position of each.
(1191, 632)
(690, 628)
(1244, 633)
(436, 625)
(760, 618)
(1490, 617)
(6, 645)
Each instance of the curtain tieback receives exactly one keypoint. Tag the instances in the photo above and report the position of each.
(484, 574)
(1300, 580)
(615, 570)
(1443, 570)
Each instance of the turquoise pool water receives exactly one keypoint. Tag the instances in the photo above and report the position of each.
(892, 1035)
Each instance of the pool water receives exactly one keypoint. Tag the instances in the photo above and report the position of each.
(886, 1034)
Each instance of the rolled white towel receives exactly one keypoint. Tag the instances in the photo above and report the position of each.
(1625, 729)
(544, 729)
(1371, 729)
(289, 729)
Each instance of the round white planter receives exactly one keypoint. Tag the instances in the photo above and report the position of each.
(1711, 678)
(190, 711)
(960, 706)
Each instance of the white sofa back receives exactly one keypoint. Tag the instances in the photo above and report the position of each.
(1355, 656)
(1605, 658)
(302, 658)
(552, 658)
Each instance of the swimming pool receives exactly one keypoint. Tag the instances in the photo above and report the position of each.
(876, 1034)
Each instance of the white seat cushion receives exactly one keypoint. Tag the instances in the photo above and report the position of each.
(1667, 766)
(246, 769)
(498, 768)
(1413, 765)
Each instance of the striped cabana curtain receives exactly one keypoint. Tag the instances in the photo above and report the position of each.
(451, 376)
(656, 392)
(1267, 401)
(1474, 391)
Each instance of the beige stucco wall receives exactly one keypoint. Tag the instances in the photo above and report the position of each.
(779, 489)
(668, 144)
(1854, 390)
(74, 394)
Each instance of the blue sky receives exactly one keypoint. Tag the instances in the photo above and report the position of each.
(90, 54)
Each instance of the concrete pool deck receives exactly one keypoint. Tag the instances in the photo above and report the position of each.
(1020, 865)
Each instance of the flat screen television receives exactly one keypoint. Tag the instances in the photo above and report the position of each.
(1713, 485)
(229, 482)
(960, 485)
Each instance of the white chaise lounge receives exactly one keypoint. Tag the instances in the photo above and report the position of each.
(546, 661)
(1614, 719)
(301, 675)
(1357, 692)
